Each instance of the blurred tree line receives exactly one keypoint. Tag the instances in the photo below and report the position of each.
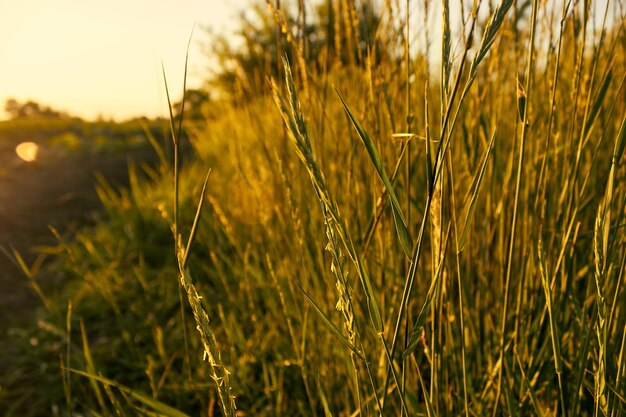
(31, 110)
(322, 35)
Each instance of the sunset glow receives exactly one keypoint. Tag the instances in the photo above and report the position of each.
(104, 59)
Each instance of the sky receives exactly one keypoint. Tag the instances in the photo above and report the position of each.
(103, 58)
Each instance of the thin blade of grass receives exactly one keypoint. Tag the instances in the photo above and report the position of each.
(327, 321)
(323, 397)
(554, 329)
(595, 108)
(182, 105)
(475, 190)
(22, 264)
(169, 106)
(531, 392)
(156, 405)
(420, 321)
(489, 34)
(620, 143)
(196, 220)
(68, 351)
(401, 226)
(423, 314)
(16, 258)
(430, 410)
(91, 368)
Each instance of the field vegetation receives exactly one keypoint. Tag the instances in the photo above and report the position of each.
(364, 225)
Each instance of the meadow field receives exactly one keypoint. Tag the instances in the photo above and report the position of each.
(56, 190)
(375, 213)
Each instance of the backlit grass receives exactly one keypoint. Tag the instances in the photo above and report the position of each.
(374, 238)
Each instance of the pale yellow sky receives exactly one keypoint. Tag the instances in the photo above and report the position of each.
(93, 58)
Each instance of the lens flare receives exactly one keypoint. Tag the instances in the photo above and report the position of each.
(27, 151)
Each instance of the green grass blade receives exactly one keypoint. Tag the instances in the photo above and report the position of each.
(416, 333)
(329, 323)
(618, 151)
(595, 108)
(430, 410)
(475, 189)
(323, 397)
(620, 143)
(531, 392)
(169, 107)
(67, 381)
(420, 321)
(398, 217)
(182, 104)
(146, 400)
(16, 258)
(91, 368)
(489, 34)
(196, 220)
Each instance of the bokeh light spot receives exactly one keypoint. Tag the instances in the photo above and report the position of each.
(27, 151)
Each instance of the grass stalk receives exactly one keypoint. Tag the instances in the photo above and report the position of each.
(294, 120)
(525, 126)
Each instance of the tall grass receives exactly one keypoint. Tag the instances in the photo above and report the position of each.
(417, 244)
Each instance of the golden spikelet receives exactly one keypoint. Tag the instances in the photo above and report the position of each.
(218, 371)
(435, 223)
(283, 24)
(337, 26)
(353, 23)
(221, 217)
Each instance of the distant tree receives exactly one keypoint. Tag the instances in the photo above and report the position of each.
(195, 103)
(12, 108)
(30, 110)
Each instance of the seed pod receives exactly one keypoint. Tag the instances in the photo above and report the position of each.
(521, 101)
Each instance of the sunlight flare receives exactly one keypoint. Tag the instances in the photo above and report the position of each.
(27, 151)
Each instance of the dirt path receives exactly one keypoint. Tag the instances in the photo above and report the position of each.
(58, 189)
